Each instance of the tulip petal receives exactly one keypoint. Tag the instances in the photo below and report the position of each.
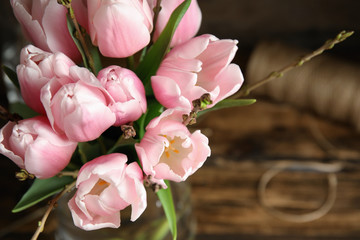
(5, 149)
(120, 30)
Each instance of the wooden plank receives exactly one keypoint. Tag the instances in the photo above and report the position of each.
(248, 141)
(226, 201)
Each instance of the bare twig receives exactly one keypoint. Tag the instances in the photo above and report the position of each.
(21, 222)
(156, 10)
(51, 206)
(79, 35)
(23, 175)
(278, 74)
(73, 174)
(198, 105)
(128, 131)
(5, 114)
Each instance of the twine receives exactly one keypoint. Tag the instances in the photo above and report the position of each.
(326, 86)
(329, 168)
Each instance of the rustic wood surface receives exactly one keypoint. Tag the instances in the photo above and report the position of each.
(246, 142)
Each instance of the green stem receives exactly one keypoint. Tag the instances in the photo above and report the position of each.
(118, 143)
(102, 144)
(130, 62)
(143, 53)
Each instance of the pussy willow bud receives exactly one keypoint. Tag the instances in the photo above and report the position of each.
(24, 175)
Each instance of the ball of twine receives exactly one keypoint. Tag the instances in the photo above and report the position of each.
(329, 87)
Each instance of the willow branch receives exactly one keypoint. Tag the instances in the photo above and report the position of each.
(6, 115)
(156, 10)
(278, 74)
(48, 210)
(73, 174)
(79, 35)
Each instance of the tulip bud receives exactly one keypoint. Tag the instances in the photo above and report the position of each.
(121, 27)
(46, 26)
(79, 107)
(127, 91)
(36, 68)
(34, 146)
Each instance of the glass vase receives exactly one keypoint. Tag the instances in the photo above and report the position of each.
(151, 225)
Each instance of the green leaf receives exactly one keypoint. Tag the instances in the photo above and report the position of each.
(227, 103)
(167, 202)
(154, 109)
(156, 53)
(121, 143)
(11, 75)
(23, 110)
(40, 190)
(89, 150)
(95, 54)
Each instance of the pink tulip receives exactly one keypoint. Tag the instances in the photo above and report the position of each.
(36, 68)
(78, 105)
(198, 66)
(44, 23)
(33, 145)
(127, 91)
(120, 27)
(105, 186)
(169, 151)
(187, 28)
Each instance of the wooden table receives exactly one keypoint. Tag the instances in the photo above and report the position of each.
(246, 143)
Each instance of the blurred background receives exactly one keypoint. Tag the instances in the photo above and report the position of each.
(285, 167)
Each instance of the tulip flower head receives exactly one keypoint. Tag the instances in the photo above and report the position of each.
(44, 23)
(127, 91)
(168, 151)
(105, 186)
(33, 145)
(74, 105)
(36, 69)
(197, 67)
(120, 27)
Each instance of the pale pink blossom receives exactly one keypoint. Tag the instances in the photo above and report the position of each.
(188, 26)
(198, 66)
(33, 145)
(127, 91)
(36, 68)
(119, 27)
(78, 105)
(105, 186)
(168, 151)
(44, 23)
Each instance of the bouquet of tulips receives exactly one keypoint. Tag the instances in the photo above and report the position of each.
(112, 87)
